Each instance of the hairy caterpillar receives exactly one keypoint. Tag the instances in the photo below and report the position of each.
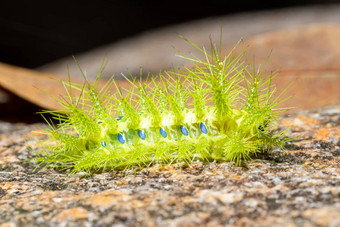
(220, 109)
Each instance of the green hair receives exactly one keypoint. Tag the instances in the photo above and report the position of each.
(219, 109)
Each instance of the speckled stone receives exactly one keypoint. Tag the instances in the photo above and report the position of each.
(298, 187)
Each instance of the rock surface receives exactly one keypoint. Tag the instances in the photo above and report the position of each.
(299, 187)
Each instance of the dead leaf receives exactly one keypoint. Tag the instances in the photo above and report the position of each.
(309, 57)
(34, 86)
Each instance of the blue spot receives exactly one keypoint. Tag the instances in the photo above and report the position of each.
(141, 134)
(163, 132)
(121, 138)
(103, 143)
(100, 122)
(120, 117)
(203, 128)
(184, 130)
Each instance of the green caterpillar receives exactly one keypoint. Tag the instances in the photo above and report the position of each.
(220, 109)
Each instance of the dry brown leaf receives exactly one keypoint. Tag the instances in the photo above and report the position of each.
(309, 57)
(25, 83)
(34, 86)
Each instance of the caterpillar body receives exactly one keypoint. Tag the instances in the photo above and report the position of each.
(220, 109)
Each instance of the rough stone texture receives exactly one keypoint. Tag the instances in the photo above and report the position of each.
(299, 187)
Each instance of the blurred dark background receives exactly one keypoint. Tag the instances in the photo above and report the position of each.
(33, 33)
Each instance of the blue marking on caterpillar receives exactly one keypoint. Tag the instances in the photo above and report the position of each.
(163, 132)
(203, 128)
(141, 134)
(184, 130)
(121, 138)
